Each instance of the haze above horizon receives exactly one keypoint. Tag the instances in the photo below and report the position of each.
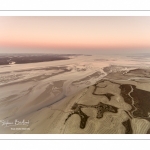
(83, 35)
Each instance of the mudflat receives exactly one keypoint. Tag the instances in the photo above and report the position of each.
(70, 98)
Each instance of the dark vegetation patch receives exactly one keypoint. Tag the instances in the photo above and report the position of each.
(140, 108)
(30, 58)
(139, 73)
(108, 95)
(101, 108)
(127, 125)
(77, 110)
(141, 100)
(125, 89)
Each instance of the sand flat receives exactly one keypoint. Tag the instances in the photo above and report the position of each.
(45, 94)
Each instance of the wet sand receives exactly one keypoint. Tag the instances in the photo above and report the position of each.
(70, 97)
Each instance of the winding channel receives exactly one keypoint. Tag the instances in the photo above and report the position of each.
(132, 100)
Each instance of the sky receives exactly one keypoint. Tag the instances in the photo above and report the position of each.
(74, 34)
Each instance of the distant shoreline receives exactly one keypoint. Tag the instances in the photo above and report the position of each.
(23, 59)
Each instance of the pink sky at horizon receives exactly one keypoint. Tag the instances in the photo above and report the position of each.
(75, 32)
